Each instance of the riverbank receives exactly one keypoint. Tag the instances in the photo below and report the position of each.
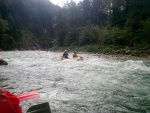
(123, 57)
(107, 52)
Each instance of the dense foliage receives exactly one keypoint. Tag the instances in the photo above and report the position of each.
(38, 24)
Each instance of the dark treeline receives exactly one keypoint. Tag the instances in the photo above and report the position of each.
(97, 24)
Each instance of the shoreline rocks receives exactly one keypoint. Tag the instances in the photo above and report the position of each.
(3, 62)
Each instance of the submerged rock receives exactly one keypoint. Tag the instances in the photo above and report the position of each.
(3, 62)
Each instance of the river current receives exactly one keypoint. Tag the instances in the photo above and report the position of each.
(93, 85)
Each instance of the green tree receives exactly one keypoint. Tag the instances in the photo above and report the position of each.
(6, 41)
(86, 10)
(145, 34)
(89, 34)
(138, 13)
(119, 13)
(59, 30)
(72, 14)
(98, 16)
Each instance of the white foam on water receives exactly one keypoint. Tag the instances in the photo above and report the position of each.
(91, 85)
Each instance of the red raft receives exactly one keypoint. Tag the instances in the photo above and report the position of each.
(9, 103)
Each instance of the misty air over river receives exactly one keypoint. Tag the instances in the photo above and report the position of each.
(93, 85)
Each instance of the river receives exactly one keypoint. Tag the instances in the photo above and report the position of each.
(93, 85)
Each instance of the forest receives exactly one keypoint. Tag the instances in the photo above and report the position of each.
(99, 26)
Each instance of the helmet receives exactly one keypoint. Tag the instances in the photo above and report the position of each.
(65, 50)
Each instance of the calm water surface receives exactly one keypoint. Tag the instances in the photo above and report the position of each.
(94, 85)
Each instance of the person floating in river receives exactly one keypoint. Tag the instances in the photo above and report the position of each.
(65, 54)
(75, 55)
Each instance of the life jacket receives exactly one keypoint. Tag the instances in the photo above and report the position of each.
(9, 103)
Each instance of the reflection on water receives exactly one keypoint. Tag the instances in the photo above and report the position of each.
(94, 85)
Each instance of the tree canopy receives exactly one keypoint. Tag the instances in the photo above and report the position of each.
(39, 24)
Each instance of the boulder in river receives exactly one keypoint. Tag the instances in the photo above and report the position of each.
(3, 62)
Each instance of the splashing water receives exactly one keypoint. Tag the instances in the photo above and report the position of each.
(94, 85)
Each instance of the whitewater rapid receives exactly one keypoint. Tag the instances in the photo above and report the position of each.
(93, 85)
